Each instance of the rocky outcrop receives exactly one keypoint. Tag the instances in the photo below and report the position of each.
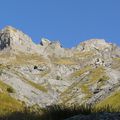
(45, 42)
(14, 39)
(93, 44)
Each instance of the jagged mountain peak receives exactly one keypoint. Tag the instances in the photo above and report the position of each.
(47, 43)
(9, 28)
(12, 39)
(15, 40)
(47, 73)
(93, 44)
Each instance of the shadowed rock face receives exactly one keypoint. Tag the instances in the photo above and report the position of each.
(45, 42)
(48, 74)
(4, 40)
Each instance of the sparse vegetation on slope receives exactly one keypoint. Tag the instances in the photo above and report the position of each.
(37, 86)
(94, 75)
(6, 88)
(30, 82)
(84, 54)
(22, 58)
(78, 73)
(63, 61)
(7, 103)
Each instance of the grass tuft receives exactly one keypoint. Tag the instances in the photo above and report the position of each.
(57, 112)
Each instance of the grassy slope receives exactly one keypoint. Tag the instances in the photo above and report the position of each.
(22, 59)
(7, 103)
(83, 54)
(80, 72)
(63, 61)
(37, 86)
(94, 76)
(113, 101)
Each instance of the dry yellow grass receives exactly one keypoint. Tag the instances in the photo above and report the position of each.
(112, 100)
(84, 54)
(30, 82)
(81, 71)
(7, 103)
(64, 61)
(95, 75)
(22, 58)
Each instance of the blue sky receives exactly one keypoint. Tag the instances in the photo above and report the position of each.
(69, 21)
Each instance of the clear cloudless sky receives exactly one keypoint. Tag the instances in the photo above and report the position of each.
(69, 21)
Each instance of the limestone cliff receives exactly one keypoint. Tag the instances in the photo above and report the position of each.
(47, 73)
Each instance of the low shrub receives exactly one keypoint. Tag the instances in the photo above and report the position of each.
(10, 90)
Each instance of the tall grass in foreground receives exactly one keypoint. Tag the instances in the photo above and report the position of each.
(56, 112)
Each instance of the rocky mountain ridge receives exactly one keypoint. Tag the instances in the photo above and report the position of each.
(47, 73)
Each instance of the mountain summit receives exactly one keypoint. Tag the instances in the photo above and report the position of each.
(14, 39)
(47, 73)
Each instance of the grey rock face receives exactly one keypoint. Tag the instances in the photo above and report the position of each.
(95, 44)
(4, 40)
(48, 74)
(16, 40)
